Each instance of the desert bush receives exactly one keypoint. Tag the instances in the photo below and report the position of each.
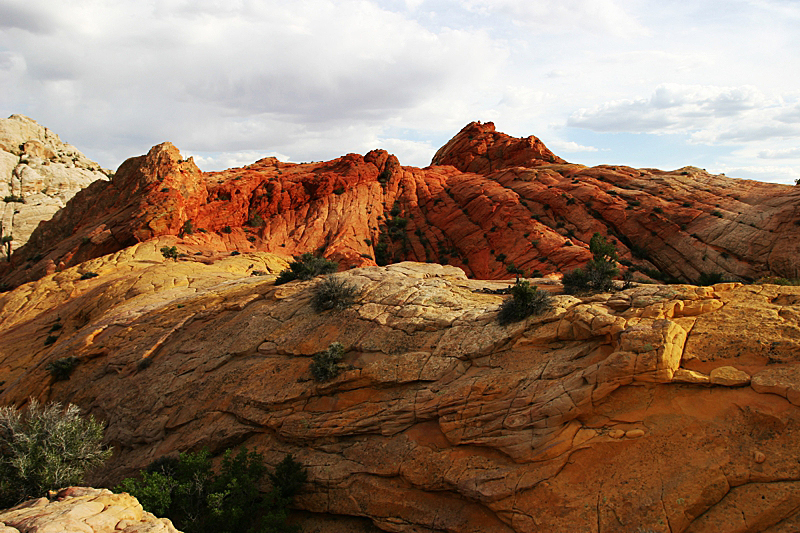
(599, 271)
(305, 267)
(526, 300)
(62, 368)
(325, 365)
(170, 252)
(197, 500)
(46, 447)
(89, 275)
(333, 292)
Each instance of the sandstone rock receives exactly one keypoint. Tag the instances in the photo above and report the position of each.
(729, 376)
(634, 433)
(683, 375)
(759, 457)
(36, 166)
(441, 419)
(83, 510)
(783, 381)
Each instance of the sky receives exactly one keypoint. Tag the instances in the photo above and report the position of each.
(659, 84)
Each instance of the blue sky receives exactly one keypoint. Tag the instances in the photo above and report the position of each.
(646, 83)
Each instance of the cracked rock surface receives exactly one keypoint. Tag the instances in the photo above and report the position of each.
(607, 413)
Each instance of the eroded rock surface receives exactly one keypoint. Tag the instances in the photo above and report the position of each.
(39, 173)
(83, 510)
(601, 415)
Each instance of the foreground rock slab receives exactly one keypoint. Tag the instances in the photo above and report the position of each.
(83, 510)
(599, 415)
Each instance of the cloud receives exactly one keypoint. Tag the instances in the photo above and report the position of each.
(566, 16)
(215, 76)
(777, 174)
(787, 153)
(223, 160)
(710, 114)
(569, 147)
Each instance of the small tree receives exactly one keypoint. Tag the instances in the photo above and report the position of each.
(45, 448)
(599, 271)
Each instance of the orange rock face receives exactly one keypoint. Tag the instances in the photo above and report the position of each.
(491, 204)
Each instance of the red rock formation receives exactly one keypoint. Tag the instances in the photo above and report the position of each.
(507, 205)
(479, 148)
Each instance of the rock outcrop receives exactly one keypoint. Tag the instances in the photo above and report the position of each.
(662, 408)
(83, 510)
(39, 173)
(491, 204)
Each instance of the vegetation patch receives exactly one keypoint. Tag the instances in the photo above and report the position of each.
(599, 272)
(325, 365)
(197, 499)
(526, 300)
(62, 368)
(170, 252)
(46, 447)
(333, 292)
(305, 267)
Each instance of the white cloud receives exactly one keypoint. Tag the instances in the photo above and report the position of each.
(786, 153)
(778, 174)
(220, 161)
(569, 147)
(565, 16)
(709, 114)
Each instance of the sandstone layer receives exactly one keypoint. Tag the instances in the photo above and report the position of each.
(508, 205)
(656, 408)
(39, 173)
(83, 510)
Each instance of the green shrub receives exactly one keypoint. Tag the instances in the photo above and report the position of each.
(62, 368)
(226, 229)
(325, 365)
(89, 275)
(45, 448)
(50, 340)
(305, 267)
(188, 492)
(187, 229)
(170, 252)
(333, 292)
(599, 271)
(13, 198)
(526, 300)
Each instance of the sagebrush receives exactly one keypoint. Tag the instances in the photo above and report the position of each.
(526, 300)
(333, 292)
(46, 447)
